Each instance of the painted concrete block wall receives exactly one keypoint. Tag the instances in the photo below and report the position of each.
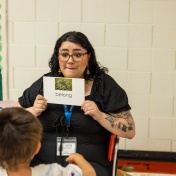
(135, 39)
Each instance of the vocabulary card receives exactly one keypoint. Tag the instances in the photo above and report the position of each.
(60, 90)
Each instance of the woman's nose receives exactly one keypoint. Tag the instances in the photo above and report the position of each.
(70, 60)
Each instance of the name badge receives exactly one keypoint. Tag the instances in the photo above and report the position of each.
(68, 146)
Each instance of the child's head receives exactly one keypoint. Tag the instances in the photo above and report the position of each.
(20, 135)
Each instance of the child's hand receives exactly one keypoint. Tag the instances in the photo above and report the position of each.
(74, 157)
(82, 163)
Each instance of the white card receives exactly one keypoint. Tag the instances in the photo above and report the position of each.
(59, 90)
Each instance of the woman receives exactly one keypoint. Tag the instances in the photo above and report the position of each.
(104, 111)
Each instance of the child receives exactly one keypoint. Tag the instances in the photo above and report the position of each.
(20, 135)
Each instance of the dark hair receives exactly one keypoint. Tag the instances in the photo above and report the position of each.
(77, 38)
(19, 133)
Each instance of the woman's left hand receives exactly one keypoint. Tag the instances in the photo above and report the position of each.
(90, 108)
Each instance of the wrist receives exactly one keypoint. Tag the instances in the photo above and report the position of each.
(32, 110)
(101, 117)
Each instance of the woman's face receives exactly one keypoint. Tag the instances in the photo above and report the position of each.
(72, 68)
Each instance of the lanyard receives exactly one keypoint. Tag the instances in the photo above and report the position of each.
(68, 114)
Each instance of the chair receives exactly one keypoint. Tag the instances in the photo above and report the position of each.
(112, 152)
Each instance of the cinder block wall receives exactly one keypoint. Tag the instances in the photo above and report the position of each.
(135, 39)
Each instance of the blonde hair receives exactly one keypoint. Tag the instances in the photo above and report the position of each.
(20, 131)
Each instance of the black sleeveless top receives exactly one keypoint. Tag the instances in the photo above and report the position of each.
(92, 138)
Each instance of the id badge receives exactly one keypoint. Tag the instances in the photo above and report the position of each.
(68, 146)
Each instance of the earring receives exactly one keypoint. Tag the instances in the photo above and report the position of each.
(87, 71)
(59, 71)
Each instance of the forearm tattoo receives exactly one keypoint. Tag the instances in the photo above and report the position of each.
(120, 125)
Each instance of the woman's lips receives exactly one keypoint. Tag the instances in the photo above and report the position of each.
(70, 68)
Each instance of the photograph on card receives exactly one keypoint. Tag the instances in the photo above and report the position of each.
(63, 84)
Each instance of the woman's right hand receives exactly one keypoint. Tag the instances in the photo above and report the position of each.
(40, 104)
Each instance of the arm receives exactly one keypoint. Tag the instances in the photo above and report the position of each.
(78, 159)
(40, 104)
(121, 124)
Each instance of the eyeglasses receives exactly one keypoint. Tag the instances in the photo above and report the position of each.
(77, 57)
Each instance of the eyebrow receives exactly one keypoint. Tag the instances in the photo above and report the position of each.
(73, 50)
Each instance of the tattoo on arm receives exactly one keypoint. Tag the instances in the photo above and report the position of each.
(120, 125)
